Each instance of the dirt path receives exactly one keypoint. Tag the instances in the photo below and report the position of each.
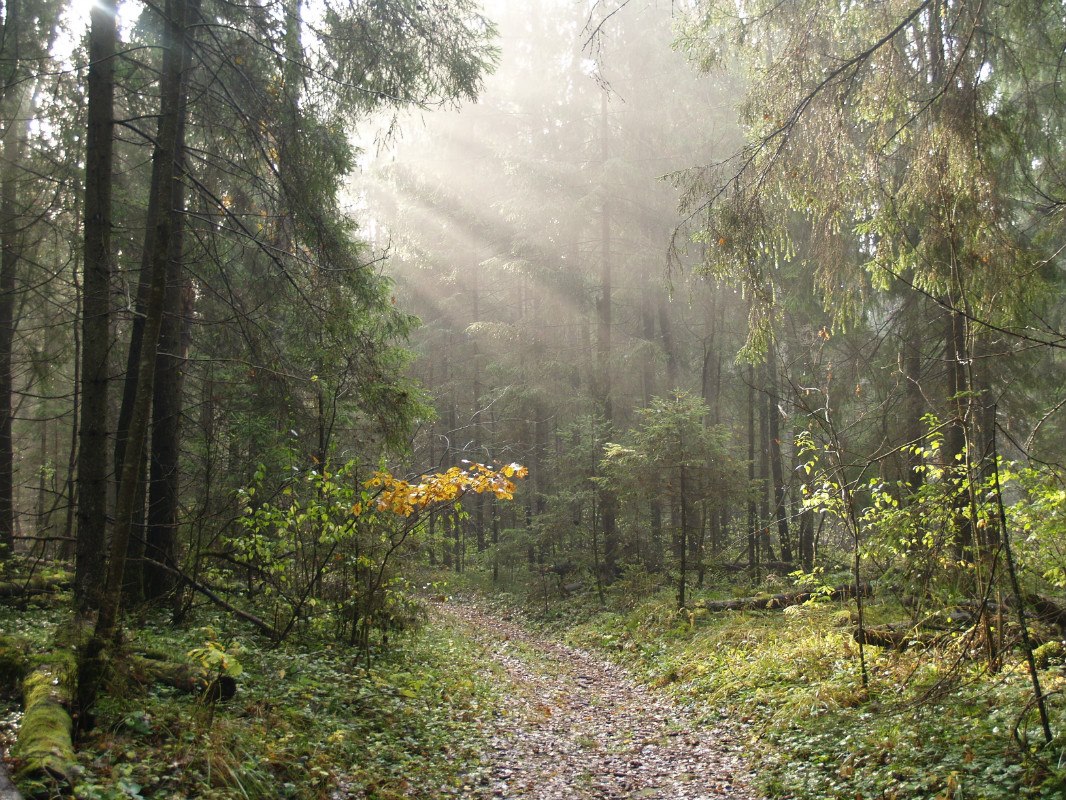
(576, 727)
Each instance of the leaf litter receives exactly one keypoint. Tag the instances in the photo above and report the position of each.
(575, 726)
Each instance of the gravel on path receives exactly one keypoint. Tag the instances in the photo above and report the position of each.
(575, 726)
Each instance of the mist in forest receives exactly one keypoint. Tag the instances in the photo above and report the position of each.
(538, 236)
(654, 318)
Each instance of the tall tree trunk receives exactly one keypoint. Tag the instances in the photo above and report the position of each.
(608, 501)
(167, 153)
(763, 401)
(133, 587)
(12, 102)
(666, 329)
(753, 511)
(653, 553)
(67, 550)
(805, 538)
(711, 368)
(955, 454)
(167, 400)
(780, 491)
(90, 562)
(685, 537)
(914, 402)
(495, 539)
(647, 318)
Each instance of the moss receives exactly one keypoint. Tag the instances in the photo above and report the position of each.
(1049, 654)
(37, 584)
(13, 665)
(44, 746)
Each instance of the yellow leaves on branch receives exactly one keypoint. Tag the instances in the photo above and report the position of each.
(404, 498)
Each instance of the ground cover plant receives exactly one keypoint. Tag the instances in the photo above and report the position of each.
(932, 723)
(309, 720)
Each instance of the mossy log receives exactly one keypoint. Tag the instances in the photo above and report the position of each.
(899, 636)
(44, 748)
(37, 584)
(1049, 611)
(779, 567)
(185, 677)
(784, 600)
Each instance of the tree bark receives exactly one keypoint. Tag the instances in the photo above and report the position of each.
(90, 563)
(14, 97)
(607, 500)
(914, 402)
(41, 584)
(166, 152)
(163, 479)
(189, 678)
(753, 509)
(780, 490)
(763, 402)
(955, 455)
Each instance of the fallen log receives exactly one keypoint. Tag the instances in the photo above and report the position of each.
(44, 750)
(1048, 610)
(264, 627)
(36, 584)
(899, 636)
(780, 567)
(783, 600)
(189, 678)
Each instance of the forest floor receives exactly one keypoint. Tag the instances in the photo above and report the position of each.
(576, 726)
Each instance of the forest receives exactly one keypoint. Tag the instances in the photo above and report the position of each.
(543, 399)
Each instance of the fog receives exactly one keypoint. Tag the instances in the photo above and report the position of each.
(532, 230)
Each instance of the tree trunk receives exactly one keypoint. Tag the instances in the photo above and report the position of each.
(985, 428)
(666, 328)
(785, 599)
(647, 318)
(763, 402)
(956, 357)
(914, 402)
(166, 152)
(163, 485)
(753, 510)
(15, 96)
(682, 578)
(608, 501)
(780, 490)
(90, 563)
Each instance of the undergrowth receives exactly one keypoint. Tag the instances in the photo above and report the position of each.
(932, 724)
(308, 720)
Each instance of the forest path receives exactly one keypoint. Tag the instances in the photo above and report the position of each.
(575, 726)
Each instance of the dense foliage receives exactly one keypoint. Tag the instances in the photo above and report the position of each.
(755, 297)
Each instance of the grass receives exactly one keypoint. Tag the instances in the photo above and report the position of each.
(931, 724)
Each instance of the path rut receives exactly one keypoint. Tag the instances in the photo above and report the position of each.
(578, 727)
